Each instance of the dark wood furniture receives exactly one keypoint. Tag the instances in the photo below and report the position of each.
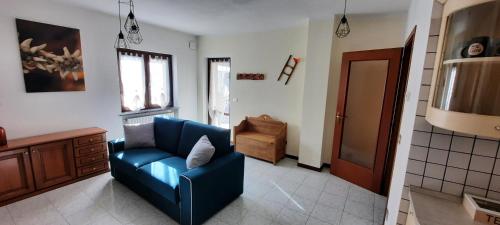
(261, 137)
(33, 165)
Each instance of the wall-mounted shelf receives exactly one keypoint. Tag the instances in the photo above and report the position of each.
(472, 60)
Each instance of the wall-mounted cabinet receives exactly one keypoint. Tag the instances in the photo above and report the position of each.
(465, 92)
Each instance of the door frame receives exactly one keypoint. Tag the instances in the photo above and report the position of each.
(217, 59)
(369, 179)
(398, 110)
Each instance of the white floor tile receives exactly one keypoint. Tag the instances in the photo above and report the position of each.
(327, 214)
(83, 216)
(278, 196)
(359, 209)
(281, 194)
(348, 219)
(253, 219)
(290, 217)
(336, 186)
(379, 214)
(361, 195)
(314, 221)
(331, 200)
(308, 192)
(267, 209)
(5, 218)
(301, 204)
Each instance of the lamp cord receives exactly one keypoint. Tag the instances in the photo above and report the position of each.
(345, 6)
(119, 15)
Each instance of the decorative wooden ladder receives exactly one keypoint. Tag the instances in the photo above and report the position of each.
(288, 65)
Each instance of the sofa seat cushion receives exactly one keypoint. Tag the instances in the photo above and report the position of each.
(163, 176)
(130, 160)
(254, 136)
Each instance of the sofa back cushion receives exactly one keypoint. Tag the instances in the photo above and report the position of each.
(167, 133)
(139, 135)
(193, 131)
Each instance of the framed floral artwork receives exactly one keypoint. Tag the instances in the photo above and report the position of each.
(51, 57)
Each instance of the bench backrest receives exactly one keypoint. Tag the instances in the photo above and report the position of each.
(265, 124)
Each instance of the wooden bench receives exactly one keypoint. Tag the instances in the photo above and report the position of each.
(261, 137)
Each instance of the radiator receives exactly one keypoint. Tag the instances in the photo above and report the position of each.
(146, 117)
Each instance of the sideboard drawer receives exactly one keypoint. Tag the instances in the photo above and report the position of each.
(90, 159)
(88, 140)
(91, 149)
(98, 167)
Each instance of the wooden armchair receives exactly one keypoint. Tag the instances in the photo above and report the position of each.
(261, 137)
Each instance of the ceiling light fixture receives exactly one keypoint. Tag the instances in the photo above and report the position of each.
(120, 39)
(131, 26)
(343, 29)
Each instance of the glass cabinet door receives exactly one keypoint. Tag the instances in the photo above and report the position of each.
(469, 77)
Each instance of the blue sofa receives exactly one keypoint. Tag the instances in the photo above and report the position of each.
(160, 175)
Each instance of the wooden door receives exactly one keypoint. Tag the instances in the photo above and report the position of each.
(53, 163)
(365, 104)
(16, 176)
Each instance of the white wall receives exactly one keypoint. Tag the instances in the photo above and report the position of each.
(263, 52)
(419, 15)
(24, 114)
(319, 44)
(374, 31)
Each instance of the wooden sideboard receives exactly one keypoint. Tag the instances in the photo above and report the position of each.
(33, 165)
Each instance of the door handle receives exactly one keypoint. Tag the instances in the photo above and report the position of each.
(339, 117)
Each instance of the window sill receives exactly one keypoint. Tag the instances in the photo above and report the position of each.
(149, 112)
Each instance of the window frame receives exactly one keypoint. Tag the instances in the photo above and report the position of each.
(147, 98)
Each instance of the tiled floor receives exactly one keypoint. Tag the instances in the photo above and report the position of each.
(282, 194)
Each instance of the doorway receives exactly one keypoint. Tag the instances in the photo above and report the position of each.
(219, 73)
(367, 93)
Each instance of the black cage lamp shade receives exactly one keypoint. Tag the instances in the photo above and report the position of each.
(343, 28)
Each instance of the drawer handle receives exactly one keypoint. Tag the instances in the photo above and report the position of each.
(497, 127)
(91, 149)
(91, 140)
(94, 168)
(26, 153)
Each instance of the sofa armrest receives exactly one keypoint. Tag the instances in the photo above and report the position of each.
(116, 145)
(207, 189)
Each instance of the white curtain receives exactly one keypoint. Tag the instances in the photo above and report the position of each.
(218, 105)
(133, 81)
(160, 91)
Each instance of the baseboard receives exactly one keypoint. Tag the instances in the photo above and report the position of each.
(324, 165)
(308, 167)
(292, 157)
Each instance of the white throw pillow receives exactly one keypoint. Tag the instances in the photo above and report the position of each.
(201, 153)
(139, 135)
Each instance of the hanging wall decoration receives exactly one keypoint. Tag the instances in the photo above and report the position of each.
(51, 57)
(289, 68)
(250, 76)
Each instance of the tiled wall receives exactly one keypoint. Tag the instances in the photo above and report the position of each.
(444, 160)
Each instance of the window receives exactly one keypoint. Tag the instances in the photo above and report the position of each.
(219, 70)
(145, 80)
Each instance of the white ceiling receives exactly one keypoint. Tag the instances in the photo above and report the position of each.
(212, 17)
